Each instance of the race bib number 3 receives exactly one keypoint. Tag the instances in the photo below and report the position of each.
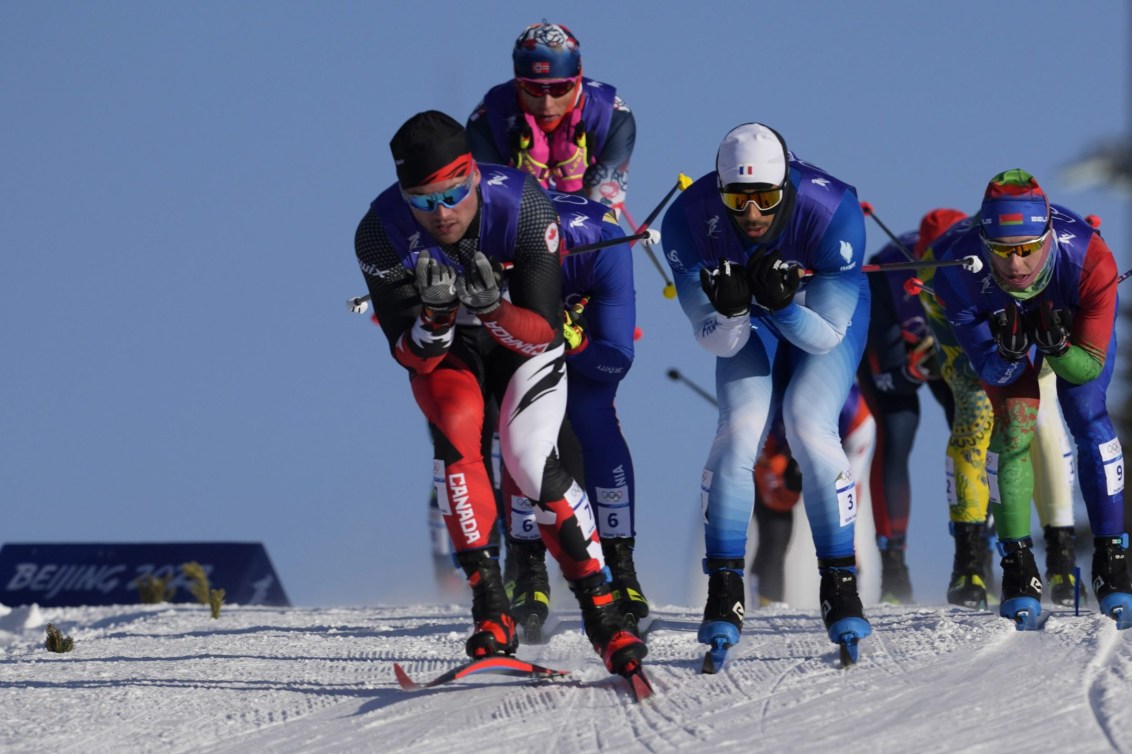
(846, 498)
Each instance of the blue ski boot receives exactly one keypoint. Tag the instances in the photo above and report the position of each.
(723, 613)
(1111, 583)
(841, 609)
(1021, 584)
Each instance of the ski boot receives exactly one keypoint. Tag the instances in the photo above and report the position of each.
(618, 647)
(724, 610)
(631, 600)
(1021, 584)
(1061, 562)
(1111, 583)
(895, 583)
(494, 630)
(968, 587)
(530, 596)
(841, 609)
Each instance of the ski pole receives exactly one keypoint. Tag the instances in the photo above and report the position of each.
(869, 211)
(971, 264)
(360, 304)
(675, 376)
(682, 182)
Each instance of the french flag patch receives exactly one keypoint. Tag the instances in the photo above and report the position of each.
(746, 170)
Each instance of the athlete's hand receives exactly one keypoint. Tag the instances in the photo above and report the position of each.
(1010, 334)
(435, 283)
(773, 281)
(727, 289)
(574, 327)
(476, 288)
(1049, 328)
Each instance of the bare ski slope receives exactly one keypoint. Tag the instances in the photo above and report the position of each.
(170, 678)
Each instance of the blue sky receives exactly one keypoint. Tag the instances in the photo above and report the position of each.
(180, 189)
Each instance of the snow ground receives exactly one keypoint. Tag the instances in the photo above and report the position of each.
(931, 679)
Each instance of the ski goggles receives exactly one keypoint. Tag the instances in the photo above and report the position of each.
(544, 87)
(449, 197)
(764, 199)
(1023, 249)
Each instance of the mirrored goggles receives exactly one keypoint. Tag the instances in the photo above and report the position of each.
(449, 197)
(544, 87)
(1023, 249)
(764, 199)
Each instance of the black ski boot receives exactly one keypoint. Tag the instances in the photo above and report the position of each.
(1061, 562)
(619, 648)
(1111, 582)
(895, 582)
(627, 591)
(968, 587)
(841, 609)
(494, 630)
(1021, 584)
(530, 597)
(726, 601)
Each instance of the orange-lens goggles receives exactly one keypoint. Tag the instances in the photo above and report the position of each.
(1023, 249)
(543, 87)
(765, 199)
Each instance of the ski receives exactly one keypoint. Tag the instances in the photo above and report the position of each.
(531, 631)
(716, 657)
(500, 664)
(639, 683)
(847, 634)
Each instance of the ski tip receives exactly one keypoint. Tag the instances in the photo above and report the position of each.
(850, 653)
(532, 631)
(715, 658)
(403, 679)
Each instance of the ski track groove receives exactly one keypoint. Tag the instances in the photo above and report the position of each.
(1106, 665)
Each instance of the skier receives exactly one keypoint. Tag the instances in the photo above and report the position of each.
(733, 240)
(573, 134)
(598, 325)
(423, 248)
(1050, 283)
(968, 492)
(900, 356)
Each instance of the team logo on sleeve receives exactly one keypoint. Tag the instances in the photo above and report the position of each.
(847, 255)
(552, 238)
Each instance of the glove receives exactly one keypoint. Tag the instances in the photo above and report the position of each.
(773, 282)
(476, 288)
(574, 327)
(727, 289)
(1049, 328)
(921, 364)
(1009, 334)
(436, 285)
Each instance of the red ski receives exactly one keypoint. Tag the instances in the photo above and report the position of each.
(499, 664)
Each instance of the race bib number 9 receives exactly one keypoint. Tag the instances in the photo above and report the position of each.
(1113, 458)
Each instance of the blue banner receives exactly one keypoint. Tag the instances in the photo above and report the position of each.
(68, 575)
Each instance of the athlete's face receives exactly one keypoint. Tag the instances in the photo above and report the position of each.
(753, 222)
(1016, 270)
(447, 224)
(547, 110)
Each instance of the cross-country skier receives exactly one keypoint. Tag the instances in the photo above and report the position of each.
(968, 491)
(1050, 284)
(426, 248)
(599, 322)
(572, 133)
(900, 356)
(733, 239)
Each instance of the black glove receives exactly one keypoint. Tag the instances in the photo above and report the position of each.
(1010, 334)
(773, 281)
(436, 283)
(477, 288)
(1049, 328)
(727, 289)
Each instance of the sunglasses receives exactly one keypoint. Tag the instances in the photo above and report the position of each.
(543, 87)
(737, 201)
(1023, 249)
(449, 197)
